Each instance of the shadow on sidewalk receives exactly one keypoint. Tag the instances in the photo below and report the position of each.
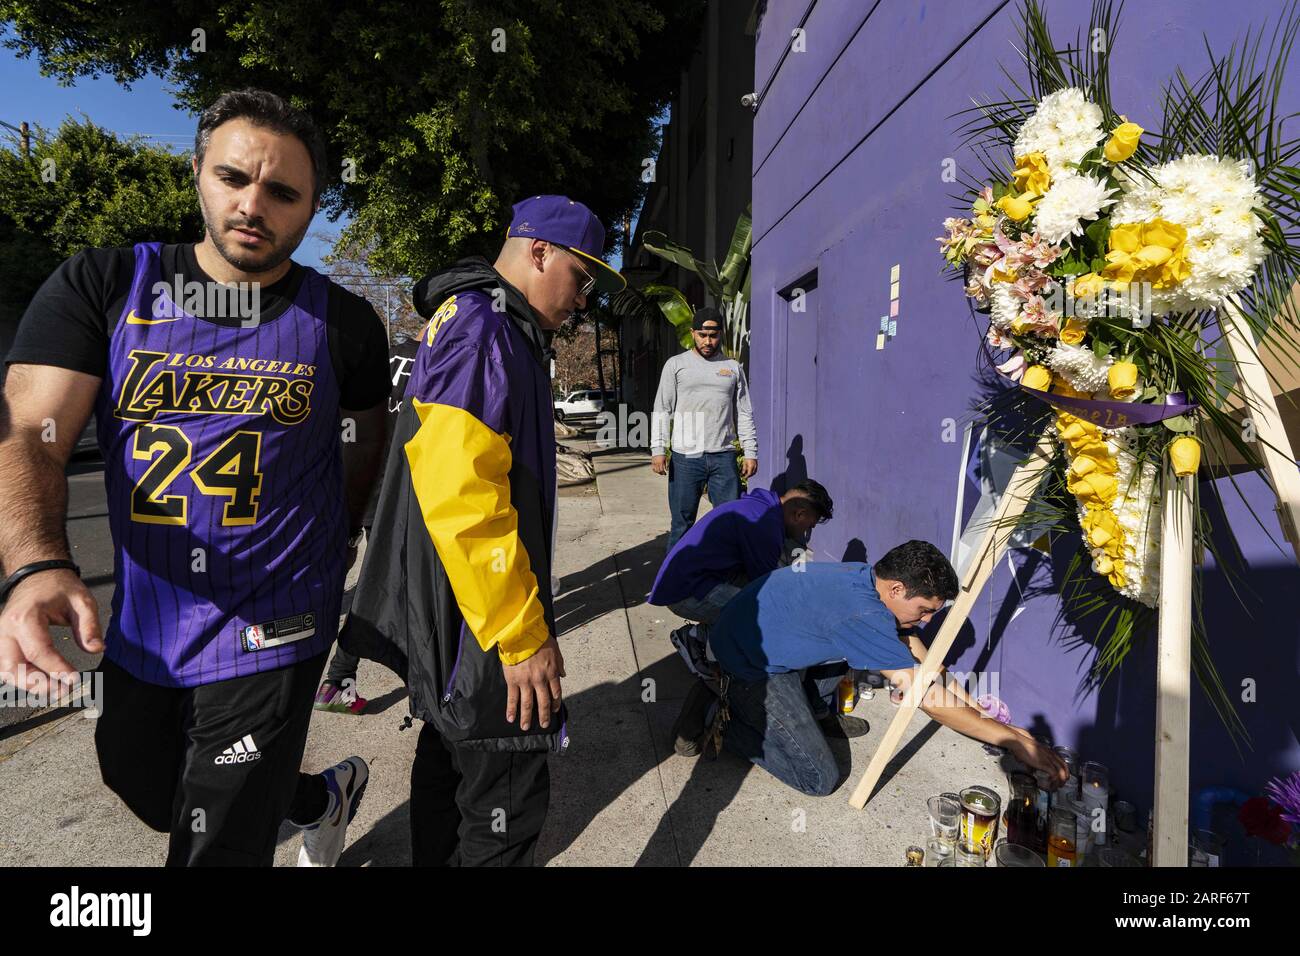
(600, 768)
(610, 584)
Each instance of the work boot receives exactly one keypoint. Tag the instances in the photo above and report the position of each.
(692, 724)
(843, 726)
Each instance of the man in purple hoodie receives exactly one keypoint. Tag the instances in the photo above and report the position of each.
(734, 544)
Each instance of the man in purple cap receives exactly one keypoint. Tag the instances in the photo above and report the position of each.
(455, 596)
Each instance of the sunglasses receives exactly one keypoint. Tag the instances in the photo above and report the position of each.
(590, 284)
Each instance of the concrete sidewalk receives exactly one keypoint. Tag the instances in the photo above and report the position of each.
(620, 797)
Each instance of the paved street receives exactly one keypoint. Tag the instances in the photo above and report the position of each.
(619, 798)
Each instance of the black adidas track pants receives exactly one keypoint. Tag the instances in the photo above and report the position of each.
(216, 766)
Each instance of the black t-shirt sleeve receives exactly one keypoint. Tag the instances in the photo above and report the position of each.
(362, 353)
(67, 322)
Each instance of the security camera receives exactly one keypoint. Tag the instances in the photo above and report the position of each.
(750, 100)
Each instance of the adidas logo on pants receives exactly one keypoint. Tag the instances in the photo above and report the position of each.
(241, 751)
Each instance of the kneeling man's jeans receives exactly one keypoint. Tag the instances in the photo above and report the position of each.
(705, 610)
(773, 724)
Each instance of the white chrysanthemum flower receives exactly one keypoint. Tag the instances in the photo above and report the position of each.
(1140, 520)
(1004, 306)
(1079, 366)
(1064, 127)
(1071, 201)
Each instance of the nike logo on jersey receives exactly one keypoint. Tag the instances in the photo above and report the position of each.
(133, 319)
(241, 751)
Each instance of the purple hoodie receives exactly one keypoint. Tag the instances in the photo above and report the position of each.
(743, 535)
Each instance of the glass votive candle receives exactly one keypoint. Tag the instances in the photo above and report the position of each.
(1011, 854)
(945, 817)
(938, 852)
(965, 857)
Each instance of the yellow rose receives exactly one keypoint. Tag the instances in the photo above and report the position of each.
(1077, 431)
(1083, 465)
(1151, 252)
(1123, 142)
(1101, 527)
(1102, 564)
(1088, 285)
(1160, 232)
(1185, 454)
(1117, 578)
(1094, 447)
(1094, 489)
(1016, 208)
(1031, 174)
(1090, 464)
(1122, 377)
(1073, 330)
(1037, 377)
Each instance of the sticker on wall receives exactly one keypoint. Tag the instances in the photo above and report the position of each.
(889, 323)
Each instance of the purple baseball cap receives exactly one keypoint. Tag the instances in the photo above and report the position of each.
(560, 220)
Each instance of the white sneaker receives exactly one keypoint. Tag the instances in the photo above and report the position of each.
(322, 842)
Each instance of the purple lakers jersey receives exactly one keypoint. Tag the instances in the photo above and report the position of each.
(225, 486)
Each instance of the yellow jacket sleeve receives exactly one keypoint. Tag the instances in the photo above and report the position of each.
(460, 473)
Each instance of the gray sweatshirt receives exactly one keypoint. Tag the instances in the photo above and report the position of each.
(705, 402)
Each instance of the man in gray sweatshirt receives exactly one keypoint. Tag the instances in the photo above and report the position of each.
(702, 402)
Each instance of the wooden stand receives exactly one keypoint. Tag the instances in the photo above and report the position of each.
(1174, 674)
(1024, 482)
(1261, 408)
(1173, 706)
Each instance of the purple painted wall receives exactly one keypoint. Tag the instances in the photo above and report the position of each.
(849, 143)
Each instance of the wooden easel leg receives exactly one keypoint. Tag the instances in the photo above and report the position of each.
(1174, 675)
(1261, 407)
(1024, 482)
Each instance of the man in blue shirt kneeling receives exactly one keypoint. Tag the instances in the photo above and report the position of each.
(785, 641)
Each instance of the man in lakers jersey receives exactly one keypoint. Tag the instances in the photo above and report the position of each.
(237, 397)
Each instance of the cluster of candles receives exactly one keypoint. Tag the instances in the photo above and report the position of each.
(1044, 827)
(964, 829)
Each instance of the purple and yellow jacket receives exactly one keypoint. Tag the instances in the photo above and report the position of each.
(457, 572)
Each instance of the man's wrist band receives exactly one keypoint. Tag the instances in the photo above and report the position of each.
(27, 570)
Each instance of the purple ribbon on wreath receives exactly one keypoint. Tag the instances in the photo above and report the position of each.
(1109, 414)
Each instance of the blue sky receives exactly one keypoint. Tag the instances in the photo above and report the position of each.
(147, 108)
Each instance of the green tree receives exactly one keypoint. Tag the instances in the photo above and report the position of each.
(439, 114)
(85, 187)
(25, 261)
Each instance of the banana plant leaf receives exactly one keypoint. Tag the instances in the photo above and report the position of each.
(665, 248)
(735, 267)
(675, 308)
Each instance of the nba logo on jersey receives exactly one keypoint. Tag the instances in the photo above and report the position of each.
(254, 637)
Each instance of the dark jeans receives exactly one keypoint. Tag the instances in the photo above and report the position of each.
(686, 480)
(475, 807)
(774, 725)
